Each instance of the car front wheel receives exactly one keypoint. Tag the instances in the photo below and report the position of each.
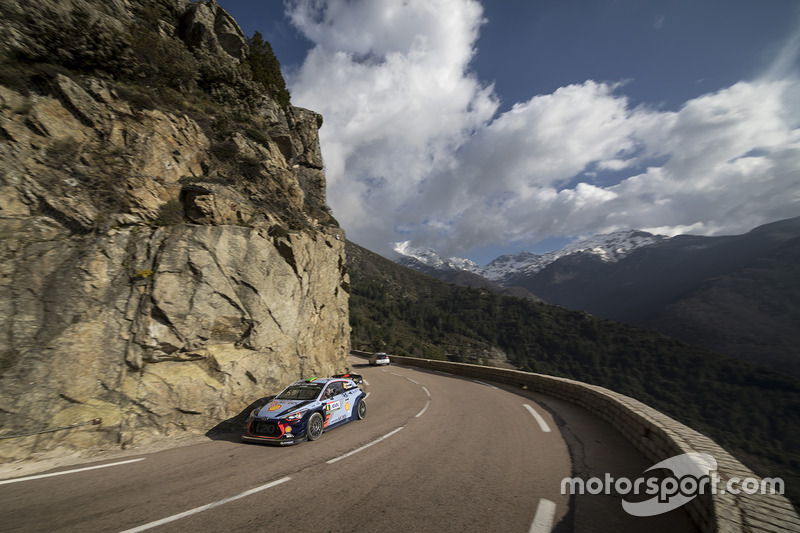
(315, 427)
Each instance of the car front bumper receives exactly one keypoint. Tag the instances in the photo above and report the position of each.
(283, 441)
(278, 435)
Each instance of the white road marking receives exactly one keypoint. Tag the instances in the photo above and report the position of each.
(40, 476)
(366, 382)
(538, 417)
(205, 507)
(412, 381)
(427, 392)
(366, 395)
(376, 441)
(543, 520)
(423, 409)
(482, 383)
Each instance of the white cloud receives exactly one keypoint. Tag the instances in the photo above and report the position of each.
(414, 148)
(712, 180)
(391, 80)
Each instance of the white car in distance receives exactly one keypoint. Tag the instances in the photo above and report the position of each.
(379, 358)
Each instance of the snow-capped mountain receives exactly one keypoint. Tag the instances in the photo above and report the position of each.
(452, 270)
(430, 258)
(609, 247)
(735, 294)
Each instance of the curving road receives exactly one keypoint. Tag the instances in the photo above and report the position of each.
(435, 453)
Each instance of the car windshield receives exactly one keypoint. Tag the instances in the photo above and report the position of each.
(300, 392)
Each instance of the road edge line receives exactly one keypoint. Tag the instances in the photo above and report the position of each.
(543, 519)
(538, 417)
(40, 476)
(206, 507)
(376, 441)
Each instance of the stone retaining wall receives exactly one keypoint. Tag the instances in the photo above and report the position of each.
(657, 436)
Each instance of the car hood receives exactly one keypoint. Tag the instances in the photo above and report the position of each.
(279, 408)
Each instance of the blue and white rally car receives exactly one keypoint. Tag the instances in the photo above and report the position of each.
(304, 410)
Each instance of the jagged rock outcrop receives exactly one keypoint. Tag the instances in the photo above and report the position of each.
(208, 27)
(163, 261)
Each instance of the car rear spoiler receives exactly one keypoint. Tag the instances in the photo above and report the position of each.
(355, 377)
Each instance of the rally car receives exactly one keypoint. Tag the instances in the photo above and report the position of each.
(304, 410)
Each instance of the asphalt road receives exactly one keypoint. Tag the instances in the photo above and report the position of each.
(435, 453)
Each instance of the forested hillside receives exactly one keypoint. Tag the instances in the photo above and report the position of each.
(737, 295)
(752, 411)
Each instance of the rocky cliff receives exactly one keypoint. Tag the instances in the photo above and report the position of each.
(166, 254)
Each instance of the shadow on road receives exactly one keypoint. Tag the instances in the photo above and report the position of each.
(231, 429)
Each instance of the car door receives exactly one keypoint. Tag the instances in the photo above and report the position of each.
(351, 393)
(335, 410)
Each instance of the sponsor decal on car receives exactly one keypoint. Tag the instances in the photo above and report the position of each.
(333, 406)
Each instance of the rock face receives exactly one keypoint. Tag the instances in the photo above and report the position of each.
(161, 266)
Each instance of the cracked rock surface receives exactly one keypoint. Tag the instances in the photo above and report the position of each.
(156, 273)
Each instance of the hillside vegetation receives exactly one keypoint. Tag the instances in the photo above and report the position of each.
(751, 411)
(752, 313)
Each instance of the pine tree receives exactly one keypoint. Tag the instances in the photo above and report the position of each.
(266, 69)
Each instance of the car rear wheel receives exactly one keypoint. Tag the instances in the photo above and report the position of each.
(361, 409)
(315, 427)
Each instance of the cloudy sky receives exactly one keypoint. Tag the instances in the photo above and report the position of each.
(483, 128)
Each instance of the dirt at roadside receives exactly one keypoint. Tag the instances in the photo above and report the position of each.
(54, 459)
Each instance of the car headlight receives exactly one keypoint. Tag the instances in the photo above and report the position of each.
(294, 417)
(253, 413)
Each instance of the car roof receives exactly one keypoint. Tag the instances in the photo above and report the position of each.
(318, 381)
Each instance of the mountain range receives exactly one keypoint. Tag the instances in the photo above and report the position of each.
(737, 295)
(749, 409)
